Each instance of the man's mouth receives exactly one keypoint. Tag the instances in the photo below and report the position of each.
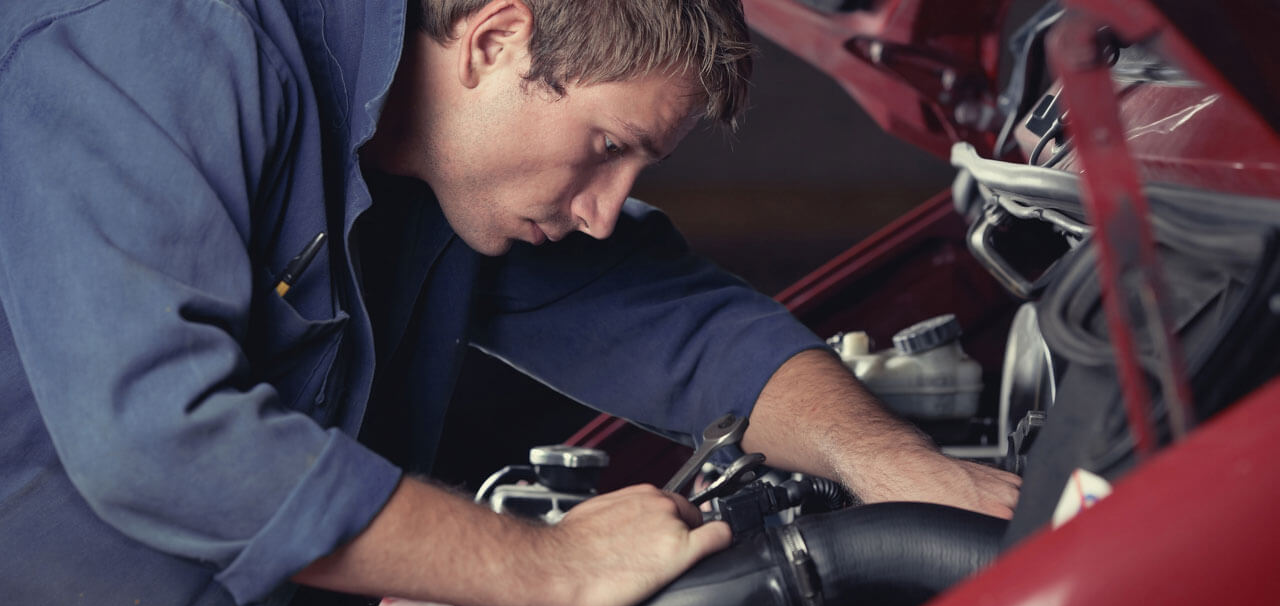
(537, 236)
(541, 235)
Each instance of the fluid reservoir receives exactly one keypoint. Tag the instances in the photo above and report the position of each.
(925, 375)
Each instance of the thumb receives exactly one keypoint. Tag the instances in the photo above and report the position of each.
(709, 538)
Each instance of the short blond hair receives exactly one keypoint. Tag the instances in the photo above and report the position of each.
(592, 41)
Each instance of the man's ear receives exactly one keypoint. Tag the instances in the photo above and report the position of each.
(495, 37)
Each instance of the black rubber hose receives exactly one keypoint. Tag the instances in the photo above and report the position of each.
(898, 553)
(886, 553)
(833, 495)
(747, 574)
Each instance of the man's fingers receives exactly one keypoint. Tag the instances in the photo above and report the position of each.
(1006, 487)
(686, 510)
(709, 538)
(997, 491)
(1008, 478)
(1000, 511)
(992, 472)
(1000, 474)
(1011, 495)
(1002, 489)
(633, 541)
(1005, 495)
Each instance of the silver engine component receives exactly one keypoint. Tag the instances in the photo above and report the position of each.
(557, 478)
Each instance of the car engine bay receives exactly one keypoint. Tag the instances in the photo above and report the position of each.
(1100, 283)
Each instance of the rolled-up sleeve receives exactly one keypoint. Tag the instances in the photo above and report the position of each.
(638, 326)
(130, 164)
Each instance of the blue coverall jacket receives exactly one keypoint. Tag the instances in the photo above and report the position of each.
(172, 431)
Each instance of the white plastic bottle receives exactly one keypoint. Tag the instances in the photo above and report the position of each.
(924, 376)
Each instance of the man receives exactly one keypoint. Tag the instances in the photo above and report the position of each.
(178, 432)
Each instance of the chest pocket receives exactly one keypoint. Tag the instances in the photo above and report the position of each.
(293, 353)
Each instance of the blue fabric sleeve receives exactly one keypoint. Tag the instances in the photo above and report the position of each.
(638, 326)
(132, 155)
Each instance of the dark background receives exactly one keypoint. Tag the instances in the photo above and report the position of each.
(806, 176)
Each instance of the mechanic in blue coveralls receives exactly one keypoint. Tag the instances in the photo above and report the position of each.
(174, 431)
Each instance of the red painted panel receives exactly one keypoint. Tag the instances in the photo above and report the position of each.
(1192, 525)
(1195, 525)
(922, 69)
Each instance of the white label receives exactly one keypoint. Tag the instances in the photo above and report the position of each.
(1084, 490)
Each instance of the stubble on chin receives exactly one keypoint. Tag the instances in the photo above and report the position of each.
(478, 229)
(496, 247)
(469, 204)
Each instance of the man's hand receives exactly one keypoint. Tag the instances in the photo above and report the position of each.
(928, 476)
(433, 546)
(623, 546)
(814, 416)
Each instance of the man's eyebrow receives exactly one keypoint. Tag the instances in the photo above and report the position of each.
(646, 141)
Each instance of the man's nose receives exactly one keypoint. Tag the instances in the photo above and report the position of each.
(597, 209)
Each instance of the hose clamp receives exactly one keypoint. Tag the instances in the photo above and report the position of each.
(802, 566)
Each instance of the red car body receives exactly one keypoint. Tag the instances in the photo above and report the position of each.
(1194, 522)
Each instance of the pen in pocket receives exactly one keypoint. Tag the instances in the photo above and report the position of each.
(298, 264)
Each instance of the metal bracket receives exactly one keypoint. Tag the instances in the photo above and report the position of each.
(802, 565)
(1130, 272)
(963, 91)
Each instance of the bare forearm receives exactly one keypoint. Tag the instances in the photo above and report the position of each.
(814, 416)
(428, 544)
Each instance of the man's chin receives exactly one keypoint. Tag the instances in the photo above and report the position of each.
(489, 248)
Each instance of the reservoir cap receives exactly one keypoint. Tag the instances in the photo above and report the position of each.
(926, 335)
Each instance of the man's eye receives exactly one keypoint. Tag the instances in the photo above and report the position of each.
(612, 148)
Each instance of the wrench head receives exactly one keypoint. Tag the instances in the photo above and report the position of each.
(744, 468)
(739, 473)
(728, 428)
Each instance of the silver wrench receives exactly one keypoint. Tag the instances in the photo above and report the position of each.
(721, 432)
(739, 473)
